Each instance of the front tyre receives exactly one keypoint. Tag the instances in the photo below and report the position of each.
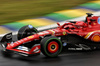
(51, 46)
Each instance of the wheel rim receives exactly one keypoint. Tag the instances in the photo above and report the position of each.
(53, 47)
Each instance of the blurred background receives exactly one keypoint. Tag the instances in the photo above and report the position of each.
(15, 14)
(14, 10)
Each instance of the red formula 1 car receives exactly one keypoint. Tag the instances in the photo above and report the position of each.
(50, 42)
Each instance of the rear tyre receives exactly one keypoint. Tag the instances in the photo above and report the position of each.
(26, 31)
(51, 46)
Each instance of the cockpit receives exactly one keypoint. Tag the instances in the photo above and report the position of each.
(90, 21)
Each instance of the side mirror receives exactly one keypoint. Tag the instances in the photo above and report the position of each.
(92, 20)
(7, 38)
(58, 24)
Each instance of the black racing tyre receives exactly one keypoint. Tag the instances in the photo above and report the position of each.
(51, 46)
(26, 31)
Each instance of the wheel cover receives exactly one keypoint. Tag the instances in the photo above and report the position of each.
(53, 47)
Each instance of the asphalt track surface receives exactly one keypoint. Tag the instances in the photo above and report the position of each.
(66, 58)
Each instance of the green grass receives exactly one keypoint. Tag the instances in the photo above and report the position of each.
(14, 10)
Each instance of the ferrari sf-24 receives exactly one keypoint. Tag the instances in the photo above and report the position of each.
(84, 34)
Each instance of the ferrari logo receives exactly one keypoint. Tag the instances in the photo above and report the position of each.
(64, 33)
